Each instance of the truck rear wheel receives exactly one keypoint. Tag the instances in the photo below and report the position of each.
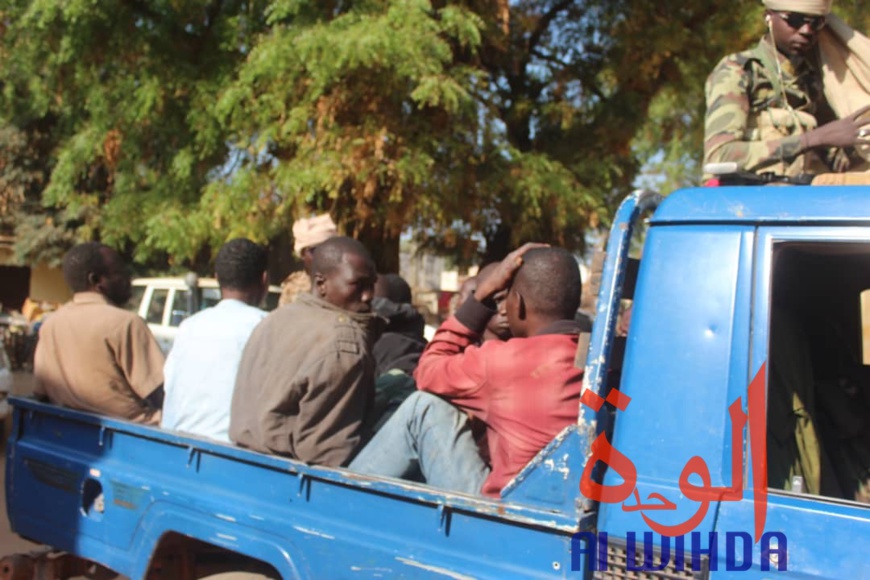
(180, 557)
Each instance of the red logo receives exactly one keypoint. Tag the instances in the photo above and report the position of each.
(705, 493)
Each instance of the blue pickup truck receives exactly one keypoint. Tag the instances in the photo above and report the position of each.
(727, 434)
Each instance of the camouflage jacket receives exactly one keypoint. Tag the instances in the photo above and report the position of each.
(749, 123)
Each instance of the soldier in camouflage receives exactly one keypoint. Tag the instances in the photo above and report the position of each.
(765, 107)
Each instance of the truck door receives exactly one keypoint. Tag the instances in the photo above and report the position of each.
(806, 326)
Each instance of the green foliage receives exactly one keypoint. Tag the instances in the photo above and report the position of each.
(167, 127)
(671, 137)
(127, 89)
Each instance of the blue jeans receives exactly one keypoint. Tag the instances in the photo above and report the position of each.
(428, 435)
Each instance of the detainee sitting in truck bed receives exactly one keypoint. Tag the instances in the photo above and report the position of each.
(201, 368)
(497, 328)
(305, 386)
(525, 390)
(93, 355)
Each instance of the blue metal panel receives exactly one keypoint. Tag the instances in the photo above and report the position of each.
(827, 538)
(678, 366)
(783, 205)
(305, 521)
(767, 238)
(552, 478)
(612, 279)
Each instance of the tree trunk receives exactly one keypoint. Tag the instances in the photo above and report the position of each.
(282, 260)
(498, 245)
(384, 249)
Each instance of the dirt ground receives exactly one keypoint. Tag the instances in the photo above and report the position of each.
(9, 542)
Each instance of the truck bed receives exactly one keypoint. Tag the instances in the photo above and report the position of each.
(111, 491)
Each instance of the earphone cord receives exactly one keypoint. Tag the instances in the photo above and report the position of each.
(785, 103)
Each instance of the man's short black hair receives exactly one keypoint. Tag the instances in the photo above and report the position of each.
(394, 288)
(82, 261)
(240, 264)
(549, 280)
(330, 253)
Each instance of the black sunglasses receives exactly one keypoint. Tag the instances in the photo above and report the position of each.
(797, 20)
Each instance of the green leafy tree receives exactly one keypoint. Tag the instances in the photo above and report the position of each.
(168, 127)
(670, 141)
(123, 91)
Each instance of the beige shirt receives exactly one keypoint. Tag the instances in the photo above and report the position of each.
(96, 357)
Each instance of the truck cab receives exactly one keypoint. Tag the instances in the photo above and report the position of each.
(734, 282)
(741, 385)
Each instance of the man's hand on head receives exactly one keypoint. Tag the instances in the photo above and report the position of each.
(504, 274)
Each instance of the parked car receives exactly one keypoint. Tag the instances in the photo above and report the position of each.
(5, 383)
(165, 302)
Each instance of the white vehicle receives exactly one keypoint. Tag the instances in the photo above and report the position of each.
(165, 302)
(5, 383)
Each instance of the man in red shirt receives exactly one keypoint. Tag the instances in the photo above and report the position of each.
(526, 390)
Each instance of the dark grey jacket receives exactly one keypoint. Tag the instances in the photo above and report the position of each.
(402, 342)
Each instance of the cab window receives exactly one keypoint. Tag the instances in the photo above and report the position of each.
(180, 310)
(819, 379)
(157, 306)
(136, 294)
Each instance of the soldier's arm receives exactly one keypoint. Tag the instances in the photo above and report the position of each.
(726, 136)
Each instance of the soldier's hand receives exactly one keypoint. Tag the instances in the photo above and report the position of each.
(846, 132)
(501, 278)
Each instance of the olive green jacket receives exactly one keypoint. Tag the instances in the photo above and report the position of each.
(756, 116)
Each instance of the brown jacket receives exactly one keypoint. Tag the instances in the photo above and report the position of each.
(306, 383)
